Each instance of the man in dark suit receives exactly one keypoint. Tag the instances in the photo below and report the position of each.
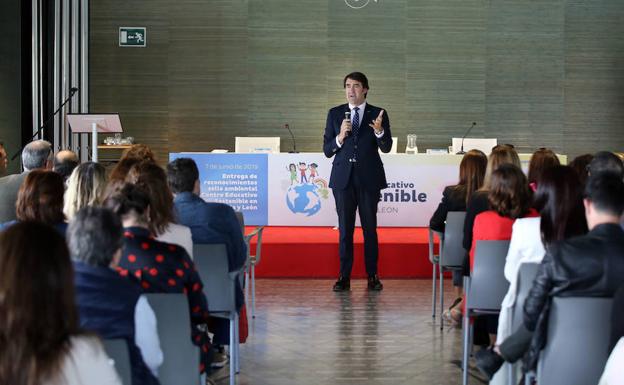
(353, 134)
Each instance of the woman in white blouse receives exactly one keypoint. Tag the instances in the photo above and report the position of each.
(40, 340)
(559, 200)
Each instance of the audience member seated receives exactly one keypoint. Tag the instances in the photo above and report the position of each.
(41, 341)
(559, 199)
(40, 198)
(478, 203)
(85, 187)
(580, 164)
(454, 198)
(65, 162)
(36, 155)
(160, 267)
(590, 265)
(209, 223)
(541, 160)
(109, 304)
(509, 198)
(4, 160)
(140, 152)
(605, 161)
(152, 179)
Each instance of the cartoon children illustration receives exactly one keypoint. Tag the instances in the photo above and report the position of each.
(302, 169)
(293, 173)
(313, 172)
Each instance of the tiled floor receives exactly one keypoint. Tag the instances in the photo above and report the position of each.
(304, 333)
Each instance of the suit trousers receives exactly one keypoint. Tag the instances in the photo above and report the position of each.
(356, 197)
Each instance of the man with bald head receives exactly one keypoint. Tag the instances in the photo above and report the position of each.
(65, 162)
(36, 155)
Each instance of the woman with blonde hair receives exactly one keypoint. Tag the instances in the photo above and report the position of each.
(85, 187)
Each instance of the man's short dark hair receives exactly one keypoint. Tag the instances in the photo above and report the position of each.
(94, 235)
(606, 191)
(182, 174)
(358, 77)
(605, 161)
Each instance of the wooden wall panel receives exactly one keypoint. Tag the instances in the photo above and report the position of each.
(545, 73)
(132, 81)
(445, 71)
(524, 86)
(594, 76)
(10, 80)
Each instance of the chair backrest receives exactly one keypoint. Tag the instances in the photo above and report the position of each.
(524, 283)
(577, 345)
(451, 249)
(211, 261)
(488, 285)
(432, 235)
(181, 357)
(117, 350)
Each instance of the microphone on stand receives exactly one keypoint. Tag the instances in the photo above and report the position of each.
(72, 91)
(294, 151)
(462, 152)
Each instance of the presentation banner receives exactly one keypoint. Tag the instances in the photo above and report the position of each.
(239, 180)
(292, 189)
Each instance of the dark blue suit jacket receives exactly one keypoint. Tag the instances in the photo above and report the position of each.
(213, 223)
(369, 167)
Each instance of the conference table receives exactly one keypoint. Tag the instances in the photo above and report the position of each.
(288, 189)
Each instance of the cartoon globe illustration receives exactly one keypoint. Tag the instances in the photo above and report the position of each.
(303, 199)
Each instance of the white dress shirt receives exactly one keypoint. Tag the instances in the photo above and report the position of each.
(361, 107)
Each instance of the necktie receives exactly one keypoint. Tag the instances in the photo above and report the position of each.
(356, 121)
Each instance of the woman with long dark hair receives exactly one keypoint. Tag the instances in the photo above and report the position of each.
(40, 341)
(455, 198)
(559, 199)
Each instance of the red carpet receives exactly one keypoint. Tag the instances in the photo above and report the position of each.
(312, 252)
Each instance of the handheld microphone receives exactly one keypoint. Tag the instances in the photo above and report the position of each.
(348, 116)
(462, 152)
(294, 151)
(72, 91)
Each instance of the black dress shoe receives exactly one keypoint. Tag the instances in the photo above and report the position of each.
(374, 283)
(488, 362)
(342, 284)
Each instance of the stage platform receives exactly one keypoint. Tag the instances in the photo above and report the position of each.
(312, 252)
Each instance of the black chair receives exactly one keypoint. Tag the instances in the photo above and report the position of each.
(485, 289)
(577, 344)
(117, 350)
(180, 357)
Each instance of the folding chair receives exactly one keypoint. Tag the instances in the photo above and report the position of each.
(117, 350)
(577, 344)
(451, 250)
(485, 289)
(524, 283)
(211, 261)
(252, 260)
(181, 357)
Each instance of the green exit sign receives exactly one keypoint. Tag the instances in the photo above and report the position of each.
(132, 36)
